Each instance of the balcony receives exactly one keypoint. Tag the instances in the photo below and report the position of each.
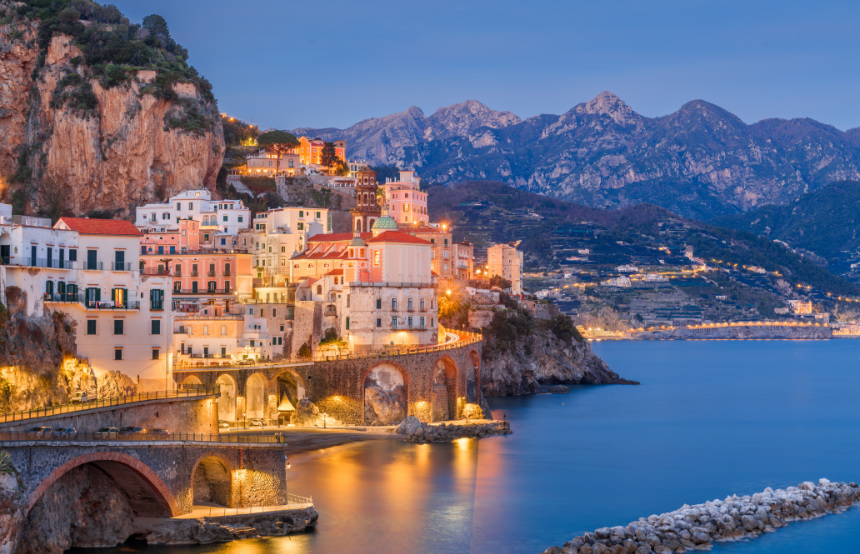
(194, 273)
(93, 266)
(203, 291)
(120, 266)
(80, 298)
(211, 274)
(45, 262)
(153, 271)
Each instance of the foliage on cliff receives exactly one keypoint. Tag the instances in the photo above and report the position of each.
(113, 48)
(97, 112)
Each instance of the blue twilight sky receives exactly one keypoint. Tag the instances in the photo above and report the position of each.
(291, 63)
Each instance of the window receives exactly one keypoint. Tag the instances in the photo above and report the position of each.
(191, 205)
(379, 303)
(155, 353)
(377, 257)
(422, 304)
(431, 322)
(223, 329)
(394, 323)
(156, 327)
(347, 324)
(421, 321)
(300, 226)
(117, 354)
(73, 255)
(301, 213)
(178, 206)
(409, 304)
(156, 299)
(240, 219)
(225, 219)
(118, 327)
(409, 322)
(205, 329)
(91, 326)
(223, 351)
(393, 304)
(379, 322)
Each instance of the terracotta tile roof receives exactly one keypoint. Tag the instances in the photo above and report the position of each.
(87, 226)
(335, 237)
(335, 272)
(397, 236)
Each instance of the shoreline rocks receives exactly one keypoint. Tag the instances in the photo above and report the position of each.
(418, 432)
(697, 527)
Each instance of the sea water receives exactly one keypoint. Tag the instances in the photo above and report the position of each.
(710, 419)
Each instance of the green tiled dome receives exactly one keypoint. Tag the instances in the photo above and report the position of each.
(357, 241)
(385, 222)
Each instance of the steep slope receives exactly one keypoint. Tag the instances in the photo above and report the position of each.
(700, 161)
(824, 222)
(98, 113)
(552, 230)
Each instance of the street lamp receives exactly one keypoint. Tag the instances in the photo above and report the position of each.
(325, 415)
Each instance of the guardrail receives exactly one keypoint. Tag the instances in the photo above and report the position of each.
(464, 338)
(107, 402)
(21, 436)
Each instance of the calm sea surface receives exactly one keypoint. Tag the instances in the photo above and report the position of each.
(710, 419)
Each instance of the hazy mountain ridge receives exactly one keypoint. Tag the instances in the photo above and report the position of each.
(824, 222)
(700, 161)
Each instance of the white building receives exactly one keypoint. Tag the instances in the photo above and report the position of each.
(89, 269)
(228, 216)
(506, 261)
(281, 233)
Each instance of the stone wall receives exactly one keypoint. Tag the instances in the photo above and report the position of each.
(176, 415)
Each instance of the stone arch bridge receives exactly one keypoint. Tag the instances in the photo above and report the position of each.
(437, 383)
(160, 478)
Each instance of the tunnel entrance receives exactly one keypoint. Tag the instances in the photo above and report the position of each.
(211, 483)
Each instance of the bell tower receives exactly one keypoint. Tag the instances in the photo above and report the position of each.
(366, 210)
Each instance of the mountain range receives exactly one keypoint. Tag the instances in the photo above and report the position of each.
(700, 161)
(823, 223)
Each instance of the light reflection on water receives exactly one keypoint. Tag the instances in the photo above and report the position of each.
(710, 419)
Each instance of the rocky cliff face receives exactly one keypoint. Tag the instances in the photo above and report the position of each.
(38, 367)
(68, 145)
(700, 161)
(543, 359)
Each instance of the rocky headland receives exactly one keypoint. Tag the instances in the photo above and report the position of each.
(523, 353)
(697, 527)
(741, 332)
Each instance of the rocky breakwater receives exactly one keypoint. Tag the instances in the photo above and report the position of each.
(415, 431)
(699, 526)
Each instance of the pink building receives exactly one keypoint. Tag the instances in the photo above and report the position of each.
(407, 205)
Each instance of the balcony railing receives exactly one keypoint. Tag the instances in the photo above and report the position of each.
(93, 266)
(46, 262)
(80, 298)
(120, 266)
(155, 271)
(195, 273)
(203, 291)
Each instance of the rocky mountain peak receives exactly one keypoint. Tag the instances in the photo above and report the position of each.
(464, 117)
(608, 104)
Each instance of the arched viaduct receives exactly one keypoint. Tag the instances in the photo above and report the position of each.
(160, 478)
(337, 386)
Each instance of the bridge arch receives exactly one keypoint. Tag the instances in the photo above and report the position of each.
(289, 387)
(212, 481)
(255, 396)
(444, 391)
(227, 400)
(148, 494)
(386, 394)
(190, 381)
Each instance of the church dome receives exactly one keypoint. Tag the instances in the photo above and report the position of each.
(384, 223)
(357, 241)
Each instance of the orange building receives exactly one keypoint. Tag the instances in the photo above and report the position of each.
(310, 150)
